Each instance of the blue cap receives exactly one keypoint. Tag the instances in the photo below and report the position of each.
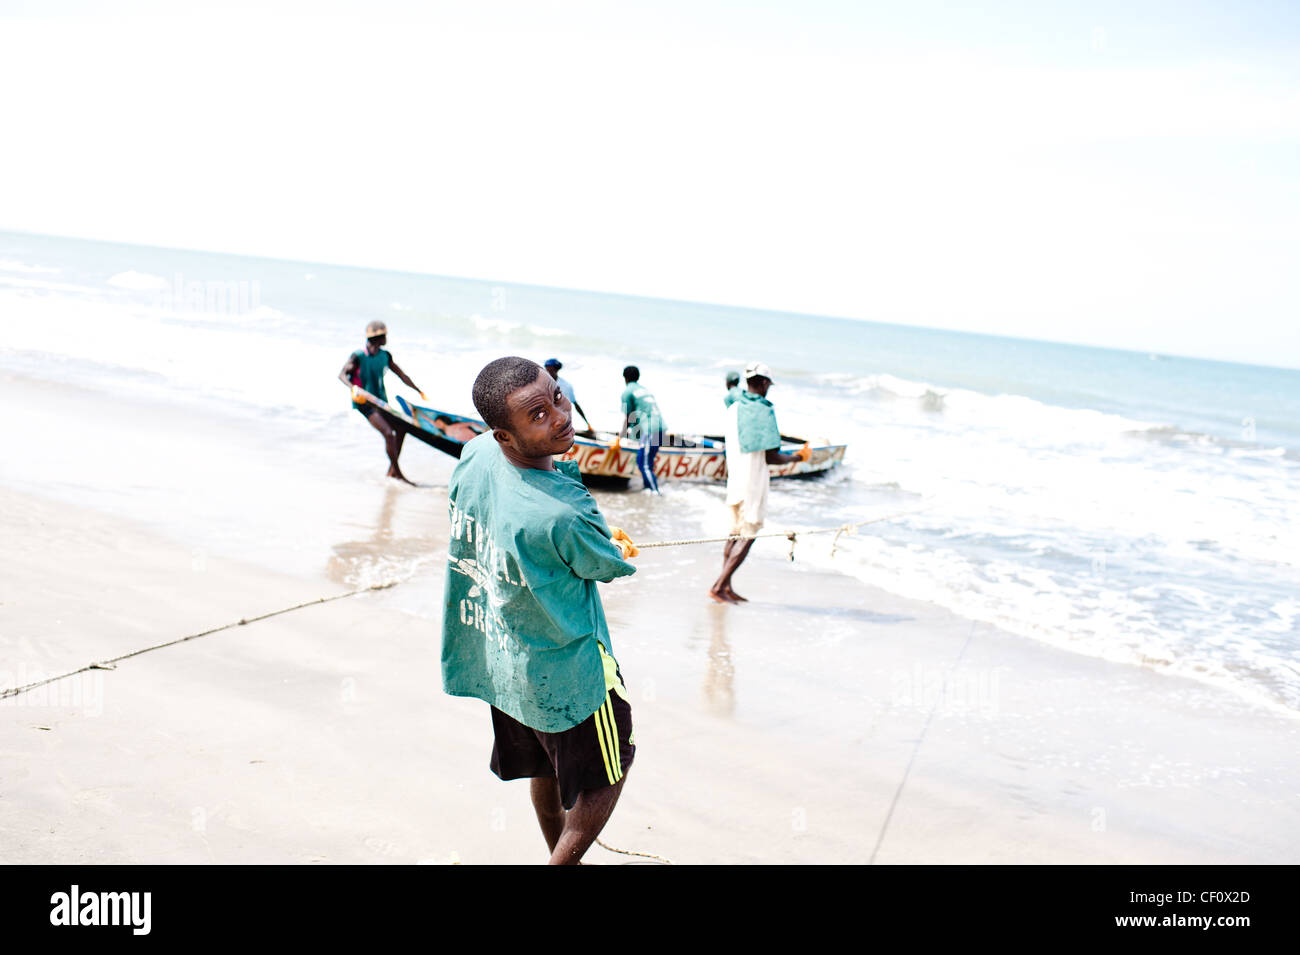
(552, 361)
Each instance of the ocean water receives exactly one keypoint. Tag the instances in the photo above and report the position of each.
(1136, 507)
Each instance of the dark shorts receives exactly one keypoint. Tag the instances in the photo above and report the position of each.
(592, 755)
(366, 410)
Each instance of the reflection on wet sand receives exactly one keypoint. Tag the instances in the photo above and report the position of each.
(384, 555)
(720, 677)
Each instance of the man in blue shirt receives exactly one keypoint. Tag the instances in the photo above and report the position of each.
(553, 366)
(523, 626)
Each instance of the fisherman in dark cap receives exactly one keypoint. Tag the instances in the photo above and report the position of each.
(733, 389)
(553, 366)
(642, 423)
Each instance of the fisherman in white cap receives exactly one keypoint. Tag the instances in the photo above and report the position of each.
(364, 371)
(753, 442)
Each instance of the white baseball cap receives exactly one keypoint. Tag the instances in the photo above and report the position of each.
(756, 369)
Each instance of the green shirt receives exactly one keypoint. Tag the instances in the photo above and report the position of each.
(756, 423)
(732, 396)
(644, 411)
(522, 619)
(370, 371)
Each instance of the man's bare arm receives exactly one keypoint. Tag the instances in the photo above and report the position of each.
(345, 375)
(776, 457)
(392, 366)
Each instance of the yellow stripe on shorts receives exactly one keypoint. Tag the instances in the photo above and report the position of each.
(613, 734)
(607, 736)
(597, 718)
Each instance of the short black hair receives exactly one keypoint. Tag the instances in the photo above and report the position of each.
(631, 373)
(733, 378)
(496, 382)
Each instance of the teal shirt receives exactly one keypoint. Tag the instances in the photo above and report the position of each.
(756, 423)
(521, 616)
(732, 396)
(370, 371)
(638, 401)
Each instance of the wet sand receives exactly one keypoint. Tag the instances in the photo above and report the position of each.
(825, 721)
(773, 732)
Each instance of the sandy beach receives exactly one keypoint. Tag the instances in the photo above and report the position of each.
(824, 722)
(1018, 271)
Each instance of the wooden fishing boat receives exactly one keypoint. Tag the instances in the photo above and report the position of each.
(600, 456)
(439, 429)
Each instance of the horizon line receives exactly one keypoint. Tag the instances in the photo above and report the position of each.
(664, 299)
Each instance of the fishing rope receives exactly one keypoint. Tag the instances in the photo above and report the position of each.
(791, 536)
(629, 852)
(916, 749)
(111, 663)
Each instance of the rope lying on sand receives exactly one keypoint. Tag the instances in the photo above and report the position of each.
(916, 748)
(111, 663)
(629, 852)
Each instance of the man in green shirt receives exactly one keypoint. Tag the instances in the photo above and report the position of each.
(523, 627)
(753, 442)
(364, 371)
(643, 423)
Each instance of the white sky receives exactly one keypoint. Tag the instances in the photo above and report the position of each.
(1125, 174)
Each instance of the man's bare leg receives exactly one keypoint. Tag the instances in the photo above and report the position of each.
(583, 823)
(545, 791)
(733, 555)
(744, 552)
(392, 444)
(721, 596)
